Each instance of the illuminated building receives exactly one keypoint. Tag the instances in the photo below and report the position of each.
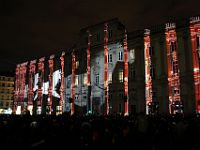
(109, 71)
(6, 93)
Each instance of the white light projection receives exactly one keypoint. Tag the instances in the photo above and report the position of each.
(56, 83)
(35, 88)
(45, 87)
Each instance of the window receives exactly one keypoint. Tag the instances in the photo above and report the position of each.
(110, 96)
(175, 66)
(120, 108)
(77, 64)
(85, 79)
(121, 76)
(98, 36)
(110, 33)
(86, 40)
(153, 93)
(110, 78)
(121, 96)
(76, 80)
(132, 73)
(68, 82)
(97, 79)
(133, 109)
(109, 58)
(151, 51)
(1, 103)
(7, 104)
(176, 91)
(198, 41)
(132, 55)
(173, 46)
(120, 55)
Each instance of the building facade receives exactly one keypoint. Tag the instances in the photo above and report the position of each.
(6, 93)
(110, 71)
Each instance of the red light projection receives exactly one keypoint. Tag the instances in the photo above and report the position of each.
(73, 81)
(51, 66)
(32, 69)
(173, 67)
(62, 82)
(195, 38)
(125, 75)
(148, 64)
(88, 71)
(106, 66)
(40, 82)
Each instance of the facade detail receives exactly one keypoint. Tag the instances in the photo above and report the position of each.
(109, 71)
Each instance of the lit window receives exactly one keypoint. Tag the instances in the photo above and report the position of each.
(132, 55)
(175, 66)
(120, 55)
(97, 79)
(110, 78)
(109, 58)
(121, 76)
(85, 79)
(76, 81)
(77, 64)
(173, 46)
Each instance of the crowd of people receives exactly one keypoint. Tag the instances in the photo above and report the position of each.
(139, 131)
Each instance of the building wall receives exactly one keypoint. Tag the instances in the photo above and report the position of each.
(6, 92)
(160, 80)
(136, 84)
(186, 69)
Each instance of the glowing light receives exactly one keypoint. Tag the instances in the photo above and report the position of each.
(148, 63)
(51, 66)
(125, 75)
(62, 83)
(173, 67)
(106, 66)
(88, 73)
(32, 69)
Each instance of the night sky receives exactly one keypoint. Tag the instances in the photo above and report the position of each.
(32, 29)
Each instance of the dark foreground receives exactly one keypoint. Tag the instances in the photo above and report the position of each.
(96, 132)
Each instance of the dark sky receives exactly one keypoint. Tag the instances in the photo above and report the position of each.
(31, 29)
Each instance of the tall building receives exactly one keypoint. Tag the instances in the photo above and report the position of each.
(6, 93)
(110, 71)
